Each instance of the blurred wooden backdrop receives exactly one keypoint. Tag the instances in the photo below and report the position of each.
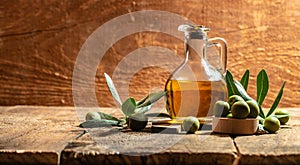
(40, 41)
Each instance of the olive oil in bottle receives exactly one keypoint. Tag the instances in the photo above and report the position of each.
(193, 98)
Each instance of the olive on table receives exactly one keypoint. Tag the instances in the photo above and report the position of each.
(271, 124)
(137, 121)
(285, 114)
(190, 124)
(92, 115)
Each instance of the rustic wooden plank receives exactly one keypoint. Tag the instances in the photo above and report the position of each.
(49, 135)
(115, 146)
(280, 148)
(109, 145)
(35, 135)
(39, 44)
(28, 157)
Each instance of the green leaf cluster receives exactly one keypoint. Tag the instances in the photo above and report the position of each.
(128, 107)
(235, 87)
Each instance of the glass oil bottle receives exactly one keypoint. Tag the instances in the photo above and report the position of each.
(195, 86)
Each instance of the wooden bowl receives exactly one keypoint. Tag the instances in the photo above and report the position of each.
(234, 126)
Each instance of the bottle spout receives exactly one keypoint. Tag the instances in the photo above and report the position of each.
(194, 31)
(193, 28)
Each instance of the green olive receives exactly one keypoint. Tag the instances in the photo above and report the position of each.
(137, 121)
(221, 108)
(234, 98)
(92, 115)
(254, 108)
(190, 124)
(283, 116)
(229, 115)
(271, 124)
(240, 110)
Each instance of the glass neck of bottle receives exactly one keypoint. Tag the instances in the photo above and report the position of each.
(195, 45)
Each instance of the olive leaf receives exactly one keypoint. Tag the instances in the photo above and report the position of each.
(262, 86)
(158, 115)
(234, 87)
(122, 120)
(261, 112)
(142, 100)
(241, 91)
(231, 88)
(100, 123)
(276, 101)
(129, 106)
(112, 89)
(245, 79)
(152, 98)
(143, 109)
(107, 116)
(104, 121)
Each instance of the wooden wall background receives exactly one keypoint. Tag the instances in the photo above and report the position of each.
(40, 40)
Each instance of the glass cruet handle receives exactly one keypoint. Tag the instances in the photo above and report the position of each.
(221, 44)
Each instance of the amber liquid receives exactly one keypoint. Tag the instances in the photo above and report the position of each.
(193, 98)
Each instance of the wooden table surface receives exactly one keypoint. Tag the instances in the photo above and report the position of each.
(50, 135)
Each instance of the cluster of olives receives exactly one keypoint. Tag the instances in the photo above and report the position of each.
(272, 123)
(236, 107)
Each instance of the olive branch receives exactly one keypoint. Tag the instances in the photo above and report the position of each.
(129, 107)
(235, 87)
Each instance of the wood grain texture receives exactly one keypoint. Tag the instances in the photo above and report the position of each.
(29, 157)
(115, 147)
(39, 43)
(49, 135)
(279, 148)
(35, 135)
(110, 146)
